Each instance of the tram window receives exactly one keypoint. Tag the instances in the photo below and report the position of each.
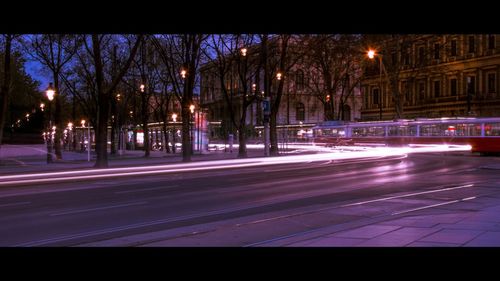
(368, 132)
(330, 132)
(467, 130)
(402, 130)
(492, 129)
(434, 130)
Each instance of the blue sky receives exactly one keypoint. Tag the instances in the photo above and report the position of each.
(35, 70)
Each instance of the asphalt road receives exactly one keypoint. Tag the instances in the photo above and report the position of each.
(247, 206)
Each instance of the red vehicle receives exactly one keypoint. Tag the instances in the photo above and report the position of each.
(482, 134)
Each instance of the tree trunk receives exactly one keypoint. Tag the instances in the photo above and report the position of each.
(4, 97)
(144, 101)
(165, 136)
(273, 134)
(242, 150)
(186, 134)
(58, 118)
(101, 128)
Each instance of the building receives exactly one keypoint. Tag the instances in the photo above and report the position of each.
(432, 76)
(300, 108)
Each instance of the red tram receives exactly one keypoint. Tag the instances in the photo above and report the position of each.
(482, 134)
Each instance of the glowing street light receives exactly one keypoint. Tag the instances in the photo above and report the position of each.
(174, 117)
(279, 75)
(42, 106)
(50, 92)
(243, 51)
(371, 55)
(183, 73)
(142, 88)
(191, 107)
(88, 140)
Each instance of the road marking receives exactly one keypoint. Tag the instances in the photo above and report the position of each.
(406, 195)
(14, 204)
(98, 209)
(434, 205)
(145, 189)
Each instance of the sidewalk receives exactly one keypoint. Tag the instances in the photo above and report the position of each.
(474, 223)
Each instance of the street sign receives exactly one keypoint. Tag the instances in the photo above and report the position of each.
(266, 105)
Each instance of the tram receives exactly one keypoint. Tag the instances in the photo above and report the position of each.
(482, 134)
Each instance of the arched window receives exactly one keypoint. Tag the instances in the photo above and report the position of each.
(300, 114)
(299, 80)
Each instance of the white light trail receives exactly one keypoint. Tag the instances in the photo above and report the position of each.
(322, 154)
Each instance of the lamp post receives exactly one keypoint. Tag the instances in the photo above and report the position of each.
(371, 55)
(88, 139)
(70, 128)
(50, 96)
(191, 129)
(174, 118)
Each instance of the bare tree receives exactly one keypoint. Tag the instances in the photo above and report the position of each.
(54, 51)
(333, 59)
(235, 65)
(181, 54)
(104, 91)
(279, 55)
(6, 81)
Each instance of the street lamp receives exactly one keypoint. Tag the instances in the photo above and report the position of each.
(88, 140)
(50, 96)
(42, 106)
(279, 75)
(174, 118)
(71, 141)
(371, 55)
(191, 129)
(183, 73)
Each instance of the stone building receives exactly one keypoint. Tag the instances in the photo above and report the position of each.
(300, 109)
(442, 75)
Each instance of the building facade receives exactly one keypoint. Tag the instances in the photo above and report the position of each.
(299, 109)
(433, 76)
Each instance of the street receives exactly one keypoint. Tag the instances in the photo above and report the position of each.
(261, 205)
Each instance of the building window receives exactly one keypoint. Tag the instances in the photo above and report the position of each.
(453, 49)
(436, 51)
(472, 44)
(299, 80)
(394, 58)
(437, 88)
(491, 41)
(453, 87)
(376, 96)
(406, 56)
(300, 112)
(421, 55)
(471, 85)
(491, 83)
(421, 90)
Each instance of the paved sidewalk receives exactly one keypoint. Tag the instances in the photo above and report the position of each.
(474, 223)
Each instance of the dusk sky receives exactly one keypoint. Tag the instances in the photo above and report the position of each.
(34, 69)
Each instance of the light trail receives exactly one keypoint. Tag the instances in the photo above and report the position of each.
(322, 154)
